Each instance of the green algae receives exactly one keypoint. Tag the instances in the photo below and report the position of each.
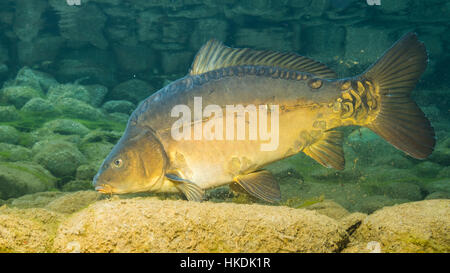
(39, 175)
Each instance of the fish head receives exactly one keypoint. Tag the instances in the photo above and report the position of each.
(135, 164)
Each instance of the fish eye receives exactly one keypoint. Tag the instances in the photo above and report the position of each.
(118, 162)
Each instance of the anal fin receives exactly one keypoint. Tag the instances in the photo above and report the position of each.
(261, 184)
(327, 150)
(188, 188)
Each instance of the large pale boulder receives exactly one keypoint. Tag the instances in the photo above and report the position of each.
(422, 226)
(149, 225)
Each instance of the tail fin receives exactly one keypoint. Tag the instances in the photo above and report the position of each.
(400, 121)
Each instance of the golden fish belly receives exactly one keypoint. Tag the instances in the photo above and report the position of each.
(212, 163)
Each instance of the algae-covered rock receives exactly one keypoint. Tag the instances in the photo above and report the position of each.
(149, 225)
(71, 202)
(35, 200)
(330, 209)
(20, 178)
(73, 91)
(19, 95)
(102, 136)
(96, 150)
(438, 195)
(119, 106)
(437, 185)
(39, 106)
(422, 226)
(428, 169)
(78, 109)
(66, 127)
(86, 172)
(62, 158)
(395, 190)
(133, 90)
(8, 113)
(97, 93)
(78, 185)
(9, 134)
(37, 79)
(10, 152)
(372, 203)
(119, 117)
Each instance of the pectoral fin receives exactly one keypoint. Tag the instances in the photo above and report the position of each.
(188, 188)
(261, 184)
(328, 150)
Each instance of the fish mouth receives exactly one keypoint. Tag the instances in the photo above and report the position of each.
(104, 188)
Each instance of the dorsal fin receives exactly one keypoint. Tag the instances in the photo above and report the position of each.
(215, 55)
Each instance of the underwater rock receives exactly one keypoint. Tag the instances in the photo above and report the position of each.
(364, 45)
(72, 202)
(173, 62)
(38, 80)
(422, 226)
(78, 185)
(395, 160)
(78, 109)
(39, 106)
(441, 153)
(81, 24)
(10, 152)
(86, 69)
(428, 169)
(19, 95)
(74, 91)
(4, 53)
(27, 230)
(86, 172)
(40, 49)
(120, 106)
(135, 58)
(317, 41)
(9, 134)
(176, 31)
(35, 200)
(61, 158)
(27, 19)
(102, 136)
(147, 22)
(438, 195)
(132, 90)
(66, 127)
(96, 151)
(46, 135)
(373, 203)
(352, 221)
(395, 190)
(20, 178)
(437, 185)
(266, 38)
(119, 117)
(149, 225)
(330, 209)
(387, 173)
(206, 29)
(97, 93)
(444, 172)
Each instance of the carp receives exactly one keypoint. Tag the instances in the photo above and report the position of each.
(299, 100)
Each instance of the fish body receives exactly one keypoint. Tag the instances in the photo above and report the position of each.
(308, 103)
